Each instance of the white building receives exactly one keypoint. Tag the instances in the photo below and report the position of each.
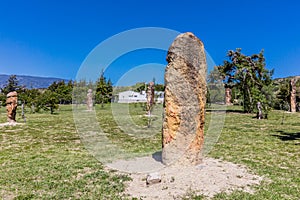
(132, 97)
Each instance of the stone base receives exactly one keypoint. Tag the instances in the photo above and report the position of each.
(12, 123)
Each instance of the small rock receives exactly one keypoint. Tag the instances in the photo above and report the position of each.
(153, 178)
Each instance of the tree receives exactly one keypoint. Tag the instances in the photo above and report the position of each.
(12, 85)
(139, 87)
(48, 100)
(159, 87)
(282, 95)
(63, 90)
(79, 92)
(30, 98)
(249, 75)
(215, 86)
(109, 90)
(104, 90)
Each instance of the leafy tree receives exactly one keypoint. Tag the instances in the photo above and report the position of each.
(63, 90)
(249, 75)
(103, 90)
(2, 99)
(142, 86)
(48, 100)
(79, 92)
(109, 89)
(30, 98)
(215, 87)
(139, 87)
(159, 87)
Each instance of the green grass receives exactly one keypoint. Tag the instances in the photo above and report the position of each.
(268, 148)
(46, 158)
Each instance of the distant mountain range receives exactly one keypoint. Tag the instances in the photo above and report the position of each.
(45, 82)
(30, 81)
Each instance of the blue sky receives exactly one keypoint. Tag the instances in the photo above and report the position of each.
(53, 38)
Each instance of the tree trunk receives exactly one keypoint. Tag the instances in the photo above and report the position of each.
(293, 95)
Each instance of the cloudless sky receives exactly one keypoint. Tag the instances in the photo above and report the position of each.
(53, 37)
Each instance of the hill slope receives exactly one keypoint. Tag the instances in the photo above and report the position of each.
(30, 81)
(279, 80)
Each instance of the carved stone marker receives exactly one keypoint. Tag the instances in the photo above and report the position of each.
(11, 106)
(150, 97)
(228, 96)
(89, 100)
(293, 95)
(185, 99)
(259, 111)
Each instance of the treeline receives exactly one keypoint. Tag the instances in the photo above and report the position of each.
(241, 80)
(245, 80)
(39, 99)
(58, 93)
(61, 92)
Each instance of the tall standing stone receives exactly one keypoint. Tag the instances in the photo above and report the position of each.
(259, 111)
(293, 95)
(11, 106)
(150, 97)
(89, 100)
(185, 99)
(228, 96)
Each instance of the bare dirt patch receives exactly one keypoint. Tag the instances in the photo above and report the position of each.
(209, 178)
(10, 124)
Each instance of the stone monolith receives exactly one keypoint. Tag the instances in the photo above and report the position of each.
(293, 95)
(11, 106)
(185, 99)
(150, 97)
(228, 96)
(89, 100)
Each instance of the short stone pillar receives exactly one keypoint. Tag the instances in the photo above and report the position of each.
(259, 111)
(228, 96)
(293, 95)
(185, 99)
(11, 106)
(89, 100)
(150, 97)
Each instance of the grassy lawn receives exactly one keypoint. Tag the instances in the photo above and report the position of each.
(46, 159)
(269, 148)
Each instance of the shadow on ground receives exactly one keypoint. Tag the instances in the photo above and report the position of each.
(224, 110)
(157, 156)
(284, 136)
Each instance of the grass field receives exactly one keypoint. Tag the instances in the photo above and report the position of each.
(46, 159)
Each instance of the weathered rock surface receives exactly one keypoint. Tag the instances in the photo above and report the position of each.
(259, 111)
(89, 100)
(293, 95)
(228, 96)
(11, 106)
(153, 178)
(185, 98)
(150, 97)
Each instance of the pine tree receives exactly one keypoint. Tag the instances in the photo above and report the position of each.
(12, 85)
(104, 90)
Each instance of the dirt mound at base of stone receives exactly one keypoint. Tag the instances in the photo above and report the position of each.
(209, 178)
(10, 124)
